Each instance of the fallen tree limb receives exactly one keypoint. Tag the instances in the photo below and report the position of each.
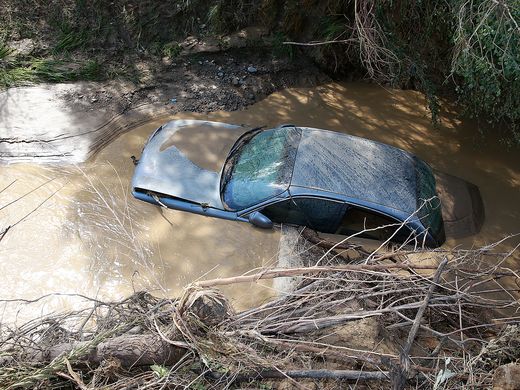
(130, 350)
(320, 43)
(347, 375)
(313, 237)
(285, 272)
(399, 380)
(420, 312)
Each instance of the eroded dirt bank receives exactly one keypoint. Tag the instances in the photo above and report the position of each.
(91, 237)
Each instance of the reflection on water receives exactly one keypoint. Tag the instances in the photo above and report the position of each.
(82, 232)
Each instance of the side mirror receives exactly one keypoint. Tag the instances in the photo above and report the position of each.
(258, 219)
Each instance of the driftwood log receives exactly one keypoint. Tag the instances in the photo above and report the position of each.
(129, 350)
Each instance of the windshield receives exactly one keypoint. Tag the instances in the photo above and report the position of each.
(259, 167)
(428, 201)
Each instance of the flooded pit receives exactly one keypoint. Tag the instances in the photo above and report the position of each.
(82, 231)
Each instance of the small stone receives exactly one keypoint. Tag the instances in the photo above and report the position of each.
(80, 96)
(93, 100)
(235, 81)
(220, 74)
(252, 69)
(219, 68)
(507, 377)
(200, 62)
(251, 96)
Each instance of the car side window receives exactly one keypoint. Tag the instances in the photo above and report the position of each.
(319, 214)
(357, 219)
(285, 212)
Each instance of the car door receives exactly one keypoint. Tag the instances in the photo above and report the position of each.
(320, 214)
(373, 225)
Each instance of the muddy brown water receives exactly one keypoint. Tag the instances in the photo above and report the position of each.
(89, 236)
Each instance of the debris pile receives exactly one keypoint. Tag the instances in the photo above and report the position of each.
(398, 317)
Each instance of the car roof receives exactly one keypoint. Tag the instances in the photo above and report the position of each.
(357, 168)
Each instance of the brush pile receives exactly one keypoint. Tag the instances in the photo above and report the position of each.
(394, 318)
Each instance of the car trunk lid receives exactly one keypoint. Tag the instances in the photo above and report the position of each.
(462, 206)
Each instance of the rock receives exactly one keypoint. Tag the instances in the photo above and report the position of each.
(507, 377)
(220, 74)
(235, 81)
(252, 69)
(22, 47)
(167, 61)
(93, 100)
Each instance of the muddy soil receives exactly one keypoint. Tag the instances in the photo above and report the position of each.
(204, 82)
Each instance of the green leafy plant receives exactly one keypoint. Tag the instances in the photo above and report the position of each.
(486, 60)
(171, 50)
(159, 370)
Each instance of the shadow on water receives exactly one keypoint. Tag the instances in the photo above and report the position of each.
(94, 238)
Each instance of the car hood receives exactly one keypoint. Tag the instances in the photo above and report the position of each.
(183, 159)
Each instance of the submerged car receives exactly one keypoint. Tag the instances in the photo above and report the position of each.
(327, 181)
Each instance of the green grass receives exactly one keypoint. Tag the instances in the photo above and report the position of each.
(4, 51)
(71, 38)
(15, 76)
(56, 71)
(71, 41)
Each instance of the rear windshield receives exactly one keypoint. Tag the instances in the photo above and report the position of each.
(259, 167)
(428, 202)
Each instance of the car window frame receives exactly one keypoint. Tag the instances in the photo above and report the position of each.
(259, 207)
(410, 225)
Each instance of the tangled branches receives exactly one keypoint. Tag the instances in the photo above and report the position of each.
(404, 316)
